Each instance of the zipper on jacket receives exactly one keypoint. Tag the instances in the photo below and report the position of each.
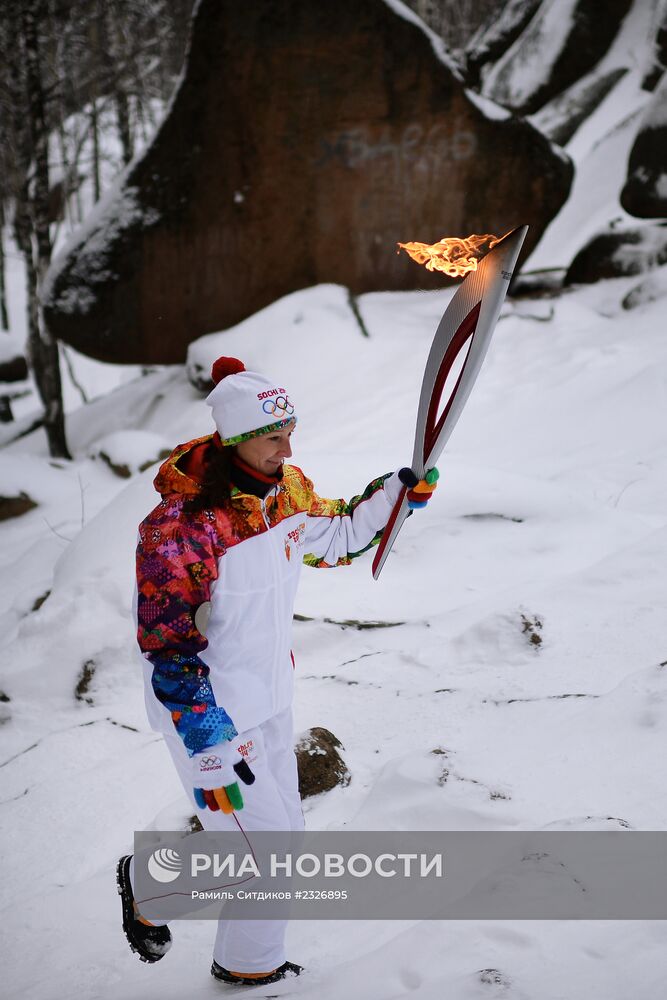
(262, 504)
(277, 617)
(263, 508)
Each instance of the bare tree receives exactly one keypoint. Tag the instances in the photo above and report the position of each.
(32, 222)
(62, 68)
(109, 34)
(4, 315)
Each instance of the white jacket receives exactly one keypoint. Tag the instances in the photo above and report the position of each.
(244, 558)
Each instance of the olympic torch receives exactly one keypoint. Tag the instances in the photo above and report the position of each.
(467, 324)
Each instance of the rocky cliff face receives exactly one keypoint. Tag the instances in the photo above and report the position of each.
(304, 142)
(562, 41)
(645, 191)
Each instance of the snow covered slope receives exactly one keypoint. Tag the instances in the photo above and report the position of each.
(601, 145)
(549, 522)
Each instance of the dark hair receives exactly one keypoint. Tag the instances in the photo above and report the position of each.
(217, 481)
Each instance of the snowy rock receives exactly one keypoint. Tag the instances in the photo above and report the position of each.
(14, 370)
(650, 290)
(497, 980)
(600, 145)
(548, 281)
(320, 765)
(82, 688)
(243, 198)
(13, 366)
(618, 253)
(14, 506)
(658, 57)
(561, 118)
(645, 191)
(129, 452)
(561, 43)
(198, 367)
(493, 39)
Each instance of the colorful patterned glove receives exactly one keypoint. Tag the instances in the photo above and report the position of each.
(214, 773)
(419, 490)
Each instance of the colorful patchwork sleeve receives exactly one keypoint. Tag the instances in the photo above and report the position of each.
(337, 531)
(176, 563)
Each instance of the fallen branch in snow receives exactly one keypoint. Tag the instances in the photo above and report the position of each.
(348, 622)
(56, 533)
(67, 729)
(70, 370)
(21, 429)
(340, 680)
(15, 797)
(82, 491)
(356, 312)
(544, 697)
(492, 517)
(20, 753)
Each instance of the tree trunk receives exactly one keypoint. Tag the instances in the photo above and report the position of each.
(4, 315)
(94, 128)
(115, 71)
(36, 244)
(123, 122)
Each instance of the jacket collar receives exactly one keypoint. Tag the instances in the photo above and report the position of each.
(245, 479)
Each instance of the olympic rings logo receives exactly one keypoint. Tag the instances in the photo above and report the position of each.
(209, 762)
(278, 407)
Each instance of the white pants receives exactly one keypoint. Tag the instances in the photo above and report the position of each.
(271, 803)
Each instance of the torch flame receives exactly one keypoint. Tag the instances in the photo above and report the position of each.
(454, 256)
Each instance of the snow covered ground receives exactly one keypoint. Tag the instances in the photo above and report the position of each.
(549, 521)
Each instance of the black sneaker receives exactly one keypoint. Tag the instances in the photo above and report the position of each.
(286, 970)
(150, 943)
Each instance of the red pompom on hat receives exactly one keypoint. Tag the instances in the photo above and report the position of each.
(226, 366)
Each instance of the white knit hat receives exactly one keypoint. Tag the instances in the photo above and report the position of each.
(246, 404)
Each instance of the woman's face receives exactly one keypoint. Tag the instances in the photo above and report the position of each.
(267, 452)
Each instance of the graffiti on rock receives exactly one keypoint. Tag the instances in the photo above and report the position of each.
(358, 147)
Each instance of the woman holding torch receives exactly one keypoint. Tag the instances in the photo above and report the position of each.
(218, 564)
